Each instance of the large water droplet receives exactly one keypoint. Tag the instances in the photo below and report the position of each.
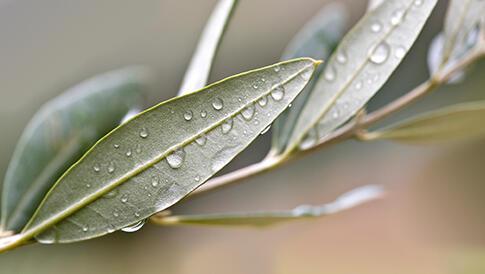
(397, 17)
(376, 27)
(263, 101)
(134, 227)
(217, 104)
(176, 158)
(188, 115)
(342, 57)
(143, 133)
(201, 140)
(203, 114)
(400, 52)
(330, 73)
(248, 112)
(227, 126)
(380, 53)
(278, 93)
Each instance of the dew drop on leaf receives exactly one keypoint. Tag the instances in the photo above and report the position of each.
(201, 140)
(176, 158)
(143, 133)
(380, 53)
(400, 52)
(111, 167)
(278, 93)
(124, 198)
(203, 114)
(217, 104)
(342, 57)
(397, 17)
(134, 227)
(188, 115)
(227, 126)
(96, 168)
(248, 112)
(330, 73)
(376, 27)
(263, 101)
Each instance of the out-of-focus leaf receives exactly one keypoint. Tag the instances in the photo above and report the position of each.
(462, 28)
(362, 63)
(462, 121)
(373, 4)
(162, 154)
(317, 39)
(435, 53)
(60, 132)
(198, 72)
(348, 200)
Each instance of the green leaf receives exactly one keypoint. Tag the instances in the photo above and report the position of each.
(197, 74)
(363, 62)
(317, 39)
(60, 132)
(261, 219)
(164, 153)
(457, 122)
(462, 28)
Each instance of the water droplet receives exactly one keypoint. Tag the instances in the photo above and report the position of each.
(188, 115)
(143, 133)
(277, 68)
(358, 85)
(116, 214)
(342, 57)
(134, 227)
(111, 167)
(330, 73)
(265, 130)
(155, 180)
(138, 148)
(124, 198)
(128, 153)
(263, 101)
(396, 17)
(116, 146)
(96, 168)
(376, 27)
(263, 80)
(203, 114)
(278, 93)
(201, 140)
(176, 158)
(85, 229)
(227, 126)
(197, 178)
(255, 86)
(418, 2)
(88, 185)
(217, 104)
(335, 114)
(380, 53)
(248, 112)
(307, 74)
(111, 229)
(400, 52)
(137, 214)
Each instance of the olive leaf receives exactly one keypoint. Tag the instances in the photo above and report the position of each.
(348, 200)
(60, 132)
(317, 39)
(362, 63)
(152, 161)
(198, 72)
(461, 29)
(457, 122)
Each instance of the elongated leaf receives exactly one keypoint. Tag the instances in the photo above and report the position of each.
(201, 63)
(462, 28)
(435, 55)
(164, 153)
(62, 130)
(462, 121)
(348, 200)
(363, 62)
(317, 39)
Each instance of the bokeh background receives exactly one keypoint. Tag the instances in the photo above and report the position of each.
(430, 222)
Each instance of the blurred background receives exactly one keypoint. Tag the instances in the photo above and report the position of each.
(430, 222)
